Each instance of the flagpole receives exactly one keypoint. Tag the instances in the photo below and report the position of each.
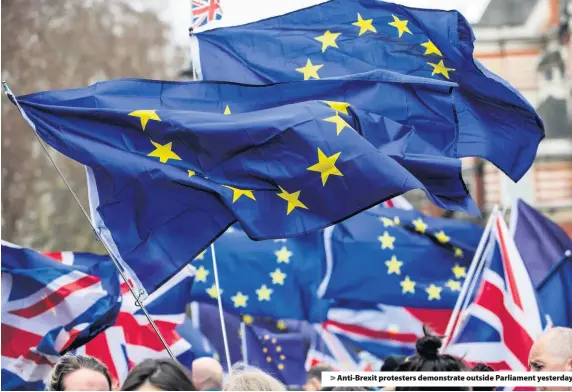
(220, 312)
(138, 300)
(243, 343)
(566, 257)
(470, 281)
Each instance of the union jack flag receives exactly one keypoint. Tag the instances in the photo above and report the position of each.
(503, 320)
(205, 11)
(49, 308)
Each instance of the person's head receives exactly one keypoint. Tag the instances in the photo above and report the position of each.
(158, 375)
(552, 352)
(391, 362)
(251, 379)
(481, 367)
(79, 373)
(207, 374)
(428, 359)
(314, 377)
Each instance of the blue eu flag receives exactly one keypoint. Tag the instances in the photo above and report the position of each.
(172, 165)
(342, 37)
(542, 245)
(398, 257)
(274, 278)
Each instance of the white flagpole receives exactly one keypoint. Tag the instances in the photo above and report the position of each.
(220, 312)
(476, 267)
(243, 343)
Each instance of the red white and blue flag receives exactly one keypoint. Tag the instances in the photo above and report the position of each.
(205, 11)
(504, 318)
(48, 308)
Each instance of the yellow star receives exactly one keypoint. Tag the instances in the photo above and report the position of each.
(393, 266)
(239, 300)
(236, 193)
(292, 199)
(163, 152)
(460, 272)
(386, 240)
(264, 293)
(440, 69)
(278, 349)
(227, 110)
(201, 255)
(328, 39)
(310, 70)
(393, 328)
(282, 356)
(386, 221)
(400, 25)
(247, 319)
(191, 172)
(442, 237)
(338, 106)
(281, 366)
(364, 25)
(454, 285)
(283, 255)
(434, 292)
(326, 166)
(213, 292)
(145, 115)
(396, 220)
(420, 226)
(430, 48)
(281, 325)
(407, 286)
(201, 274)
(268, 359)
(278, 277)
(458, 252)
(340, 122)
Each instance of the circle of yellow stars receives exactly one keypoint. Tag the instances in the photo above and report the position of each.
(408, 286)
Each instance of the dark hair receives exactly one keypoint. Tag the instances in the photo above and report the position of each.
(165, 374)
(481, 367)
(316, 372)
(391, 362)
(428, 359)
(70, 363)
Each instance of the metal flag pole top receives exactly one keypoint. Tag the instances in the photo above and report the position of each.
(137, 298)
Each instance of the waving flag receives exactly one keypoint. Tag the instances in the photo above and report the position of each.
(543, 246)
(399, 258)
(501, 324)
(205, 11)
(342, 37)
(49, 308)
(132, 339)
(166, 158)
(274, 278)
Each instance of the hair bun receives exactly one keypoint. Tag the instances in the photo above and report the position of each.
(428, 346)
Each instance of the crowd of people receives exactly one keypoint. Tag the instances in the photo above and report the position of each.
(551, 352)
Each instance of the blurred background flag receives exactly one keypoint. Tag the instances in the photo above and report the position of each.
(400, 258)
(48, 308)
(504, 318)
(543, 246)
(274, 278)
(205, 11)
(273, 172)
(342, 37)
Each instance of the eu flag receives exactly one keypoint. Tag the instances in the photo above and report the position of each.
(342, 37)
(398, 257)
(273, 278)
(542, 245)
(171, 165)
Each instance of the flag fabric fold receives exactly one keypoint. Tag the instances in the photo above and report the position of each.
(166, 158)
(342, 37)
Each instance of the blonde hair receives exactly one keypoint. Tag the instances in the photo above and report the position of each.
(250, 378)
